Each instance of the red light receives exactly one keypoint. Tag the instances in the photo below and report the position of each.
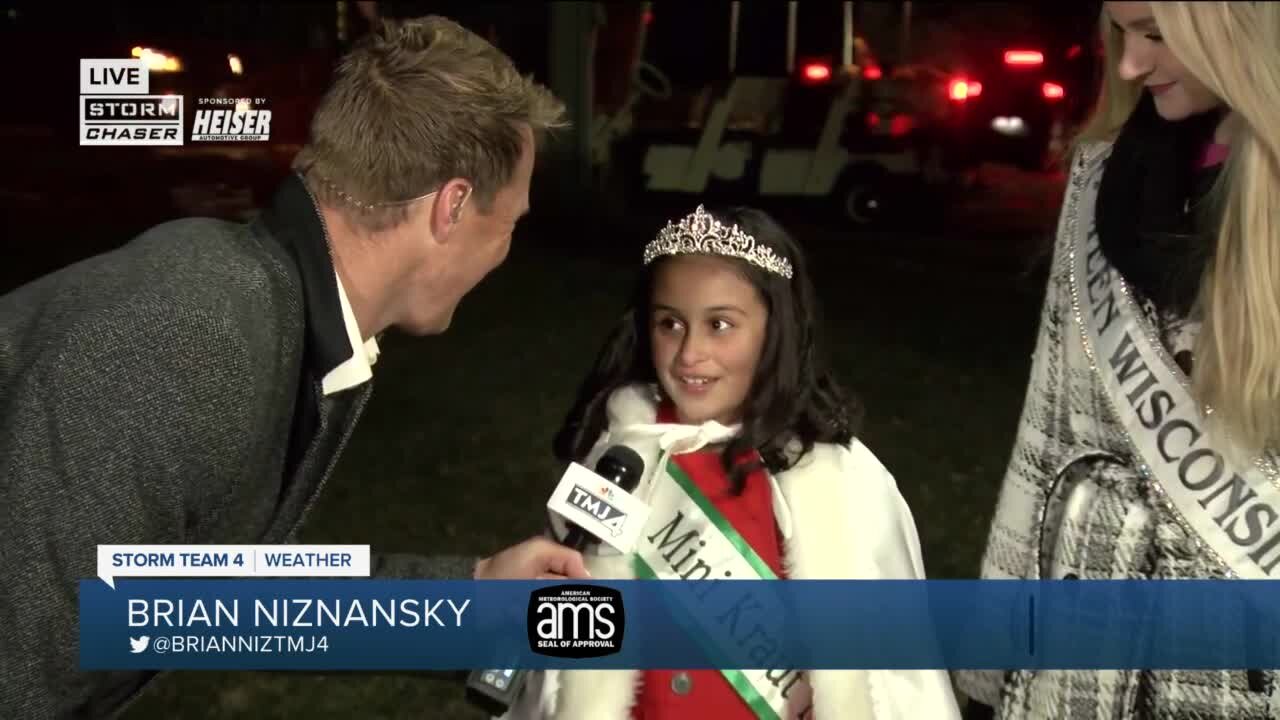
(1053, 91)
(1023, 57)
(1074, 52)
(817, 72)
(901, 125)
(872, 72)
(873, 120)
(962, 90)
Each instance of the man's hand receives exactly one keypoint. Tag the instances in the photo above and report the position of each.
(538, 558)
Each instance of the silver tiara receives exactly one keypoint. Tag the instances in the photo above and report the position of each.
(700, 233)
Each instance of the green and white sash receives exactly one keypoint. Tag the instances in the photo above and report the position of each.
(687, 538)
(1232, 508)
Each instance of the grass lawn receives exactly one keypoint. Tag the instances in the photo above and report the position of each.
(453, 453)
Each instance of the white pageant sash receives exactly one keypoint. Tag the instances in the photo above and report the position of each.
(1232, 510)
(687, 538)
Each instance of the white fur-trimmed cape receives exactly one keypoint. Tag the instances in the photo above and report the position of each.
(841, 517)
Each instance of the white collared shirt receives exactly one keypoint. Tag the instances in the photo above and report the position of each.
(359, 368)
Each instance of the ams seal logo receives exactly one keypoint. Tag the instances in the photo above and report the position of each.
(576, 621)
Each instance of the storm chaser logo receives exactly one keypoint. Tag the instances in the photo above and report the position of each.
(116, 109)
(576, 621)
(597, 505)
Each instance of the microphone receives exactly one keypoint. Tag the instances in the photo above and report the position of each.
(495, 691)
(621, 466)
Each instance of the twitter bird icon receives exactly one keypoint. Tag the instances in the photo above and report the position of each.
(137, 645)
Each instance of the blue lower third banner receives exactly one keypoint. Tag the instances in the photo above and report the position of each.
(364, 624)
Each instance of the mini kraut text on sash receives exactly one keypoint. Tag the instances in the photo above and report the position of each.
(687, 538)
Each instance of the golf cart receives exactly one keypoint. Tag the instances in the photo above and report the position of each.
(837, 129)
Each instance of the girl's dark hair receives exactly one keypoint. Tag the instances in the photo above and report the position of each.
(793, 396)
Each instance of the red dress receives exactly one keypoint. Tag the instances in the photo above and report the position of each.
(705, 693)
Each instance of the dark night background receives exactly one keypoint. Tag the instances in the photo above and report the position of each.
(930, 310)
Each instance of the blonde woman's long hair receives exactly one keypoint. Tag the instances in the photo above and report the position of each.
(1234, 49)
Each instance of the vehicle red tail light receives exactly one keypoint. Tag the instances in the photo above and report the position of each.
(816, 72)
(1053, 91)
(872, 72)
(962, 89)
(1023, 57)
(901, 125)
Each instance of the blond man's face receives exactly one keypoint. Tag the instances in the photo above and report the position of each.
(476, 245)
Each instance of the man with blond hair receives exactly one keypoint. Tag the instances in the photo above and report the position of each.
(198, 384)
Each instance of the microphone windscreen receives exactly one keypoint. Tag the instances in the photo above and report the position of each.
(622, 463)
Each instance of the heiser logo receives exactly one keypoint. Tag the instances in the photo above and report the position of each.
(231, 120)
(576, 621)
(115, 108)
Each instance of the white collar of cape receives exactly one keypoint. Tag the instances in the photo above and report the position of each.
(841, 517)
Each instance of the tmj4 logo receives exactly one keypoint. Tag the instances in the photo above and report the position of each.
(610, 516)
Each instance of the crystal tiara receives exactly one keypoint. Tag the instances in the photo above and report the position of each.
(700, 233)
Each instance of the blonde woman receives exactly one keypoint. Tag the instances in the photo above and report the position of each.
(1147, 442)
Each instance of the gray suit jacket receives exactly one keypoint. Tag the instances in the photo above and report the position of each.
(148, 395)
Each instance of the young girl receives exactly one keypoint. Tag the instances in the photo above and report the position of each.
(1147, 446)
(714, 377)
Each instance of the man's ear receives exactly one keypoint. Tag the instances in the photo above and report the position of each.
(446, 211)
